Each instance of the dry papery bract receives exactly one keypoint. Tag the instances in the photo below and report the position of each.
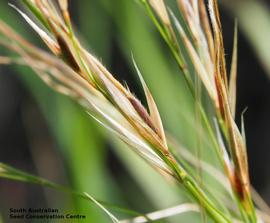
(204, 44)
(65, 80)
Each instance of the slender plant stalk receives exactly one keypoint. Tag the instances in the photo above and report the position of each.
(222, 106)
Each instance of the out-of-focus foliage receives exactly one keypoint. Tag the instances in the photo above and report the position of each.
(254, 21)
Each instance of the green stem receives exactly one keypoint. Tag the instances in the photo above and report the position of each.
(202, 198)
(197, 193)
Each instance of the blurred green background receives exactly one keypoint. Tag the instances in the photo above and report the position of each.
(47, 134)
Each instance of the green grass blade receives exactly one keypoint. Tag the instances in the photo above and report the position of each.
(14, 174)
(37, 13)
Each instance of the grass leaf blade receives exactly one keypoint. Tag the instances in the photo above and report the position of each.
(112, 217)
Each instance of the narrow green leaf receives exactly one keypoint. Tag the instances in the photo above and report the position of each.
(12, 173)
(36, 12)
(112, 217)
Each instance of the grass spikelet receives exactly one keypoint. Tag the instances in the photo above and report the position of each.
(233, 74)
(160, 9)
